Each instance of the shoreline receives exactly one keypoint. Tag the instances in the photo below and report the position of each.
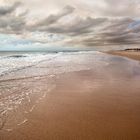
(132, 54)
(98, 99)
(82, 111)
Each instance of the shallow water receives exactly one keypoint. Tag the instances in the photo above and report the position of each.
(27, 78)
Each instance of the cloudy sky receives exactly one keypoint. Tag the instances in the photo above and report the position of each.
(30, 24)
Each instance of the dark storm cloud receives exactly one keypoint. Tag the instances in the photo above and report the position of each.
(80, 26)
(116, 31)
(113, 31)
(4, 10)
(82, 30)
(106, 40)
(120, 32)
(11, 23)
(52, 19)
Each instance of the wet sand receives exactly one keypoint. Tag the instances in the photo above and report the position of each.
(130, 54)
(77, 109)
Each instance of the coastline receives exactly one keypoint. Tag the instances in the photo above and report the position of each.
(83, 96)
(132, 54)
(77, 111)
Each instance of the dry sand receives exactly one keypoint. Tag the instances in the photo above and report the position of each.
(73, 111)
(130, 54)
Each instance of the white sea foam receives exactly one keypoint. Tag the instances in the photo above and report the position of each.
(55, 61)
(11, 63)
(24, 121)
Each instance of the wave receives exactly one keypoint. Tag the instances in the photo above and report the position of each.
(17, 56)
(15, 62)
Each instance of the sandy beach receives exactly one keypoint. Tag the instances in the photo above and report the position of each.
(69, 70)
(98, 103)
(130, 54)
(74, 111)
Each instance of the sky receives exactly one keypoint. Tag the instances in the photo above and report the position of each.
(33, 24)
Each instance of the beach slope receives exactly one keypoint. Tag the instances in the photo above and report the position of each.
(129, 54)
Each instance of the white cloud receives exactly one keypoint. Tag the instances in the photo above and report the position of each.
(85, 22)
